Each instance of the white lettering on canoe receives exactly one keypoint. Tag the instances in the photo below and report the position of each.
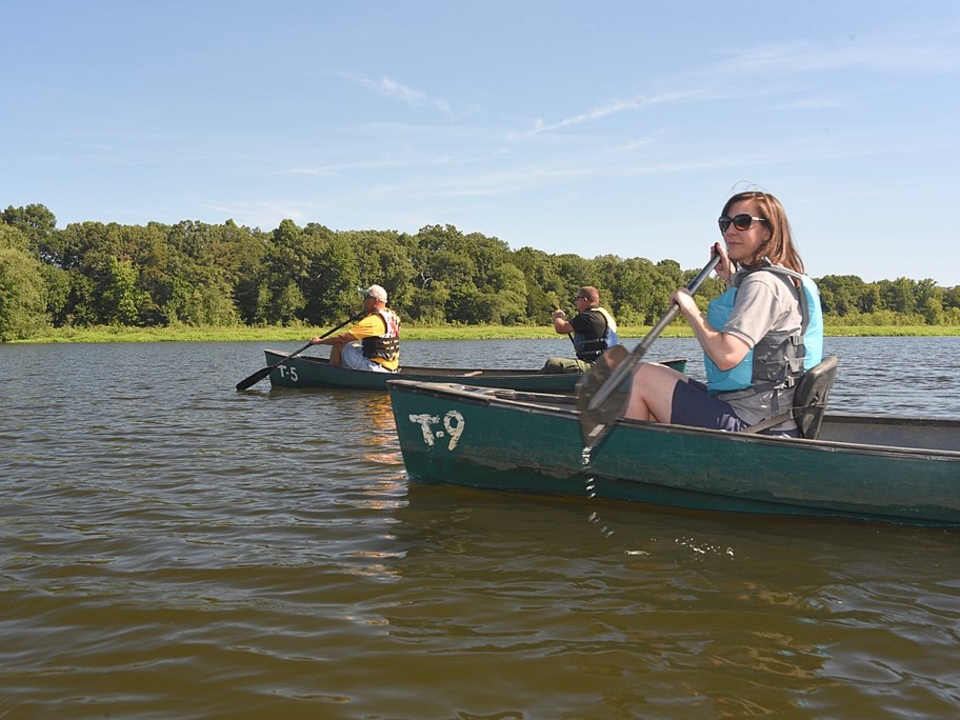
(452, 427)
(454, 431)
(425, 421)
(288, 372)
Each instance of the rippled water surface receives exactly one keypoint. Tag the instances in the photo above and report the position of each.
(174, 549)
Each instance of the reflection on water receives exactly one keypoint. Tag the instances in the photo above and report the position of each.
(172, 548)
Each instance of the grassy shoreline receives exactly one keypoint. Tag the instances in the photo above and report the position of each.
(493, 332)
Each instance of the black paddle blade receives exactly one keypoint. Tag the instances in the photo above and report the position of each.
(255, 378)
(594, 422)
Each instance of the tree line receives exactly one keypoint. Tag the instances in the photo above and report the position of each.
(198, 274)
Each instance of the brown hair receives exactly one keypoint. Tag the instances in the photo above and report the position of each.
(780, 248)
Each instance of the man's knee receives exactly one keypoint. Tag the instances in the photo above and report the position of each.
(351, 356)
(557, 365)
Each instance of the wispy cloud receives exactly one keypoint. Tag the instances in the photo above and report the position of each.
(883, 54)
(390, 88)
(616, 107)
(901, 52)
(332, 170)
(811, 103)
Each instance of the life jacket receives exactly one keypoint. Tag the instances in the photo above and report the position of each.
(780, 357)
(385, 347)
(590, 349)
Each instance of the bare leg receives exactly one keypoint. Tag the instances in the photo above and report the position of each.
(651, 396)
(335, 354)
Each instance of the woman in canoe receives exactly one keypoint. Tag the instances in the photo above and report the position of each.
(758, 337)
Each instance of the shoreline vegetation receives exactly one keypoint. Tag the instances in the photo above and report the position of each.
(302, 333)
(94, 282)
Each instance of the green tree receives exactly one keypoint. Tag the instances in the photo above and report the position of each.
(382, 259)
(639, 302)
(951, 297)
(505, 298)
(840, 294)
(540, 277)
(331, 286)
(240, 251)
(929, 298)
(899, 295)
(428, 303)
(286, 268)
(57, 285)
(38, 226)
(22, 288)
(123, 299)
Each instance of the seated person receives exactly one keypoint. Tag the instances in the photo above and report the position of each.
(372, 344)
(592, 330)
(758, 337)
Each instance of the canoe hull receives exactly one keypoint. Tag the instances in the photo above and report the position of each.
(306, 371)
(483, 439)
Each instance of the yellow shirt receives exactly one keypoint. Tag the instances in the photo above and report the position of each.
(373, 325)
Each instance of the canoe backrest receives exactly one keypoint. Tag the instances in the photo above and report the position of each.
(810, 397)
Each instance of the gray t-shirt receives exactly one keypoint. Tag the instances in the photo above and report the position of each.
(765, 302)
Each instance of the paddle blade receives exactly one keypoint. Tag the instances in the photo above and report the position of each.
(255, 378)
(596, 421)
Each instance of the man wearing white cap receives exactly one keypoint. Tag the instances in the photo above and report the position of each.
(374, 342)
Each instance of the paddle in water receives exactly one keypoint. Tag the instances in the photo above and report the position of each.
(603, 393)
(262, 373)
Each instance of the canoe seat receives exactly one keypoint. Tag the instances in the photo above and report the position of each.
(810, 397)
(809, 401)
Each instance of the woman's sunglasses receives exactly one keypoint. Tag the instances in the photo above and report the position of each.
(740, 222)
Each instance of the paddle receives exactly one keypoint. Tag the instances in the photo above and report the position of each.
(602, 395)
(261, 374)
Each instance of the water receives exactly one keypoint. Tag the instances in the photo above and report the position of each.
(174, 549)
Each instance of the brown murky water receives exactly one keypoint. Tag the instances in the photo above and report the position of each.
(170, 548)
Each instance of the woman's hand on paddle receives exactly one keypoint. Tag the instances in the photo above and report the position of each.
(724, 268)
(686, 303)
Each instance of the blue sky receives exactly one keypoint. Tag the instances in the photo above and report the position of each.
(586, 127)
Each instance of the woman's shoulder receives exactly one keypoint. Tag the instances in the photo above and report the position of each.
(771, 275)
(777, 286)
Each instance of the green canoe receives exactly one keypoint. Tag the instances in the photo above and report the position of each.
(306, 371)
(895, 469)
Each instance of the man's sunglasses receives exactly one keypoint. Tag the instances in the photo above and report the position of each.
(740, 222)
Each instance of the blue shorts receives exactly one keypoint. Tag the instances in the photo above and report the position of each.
(693, 405)
(351, 356)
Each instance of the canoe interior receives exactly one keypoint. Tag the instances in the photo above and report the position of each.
(310, 371)
(414, 371)
(892, 431)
